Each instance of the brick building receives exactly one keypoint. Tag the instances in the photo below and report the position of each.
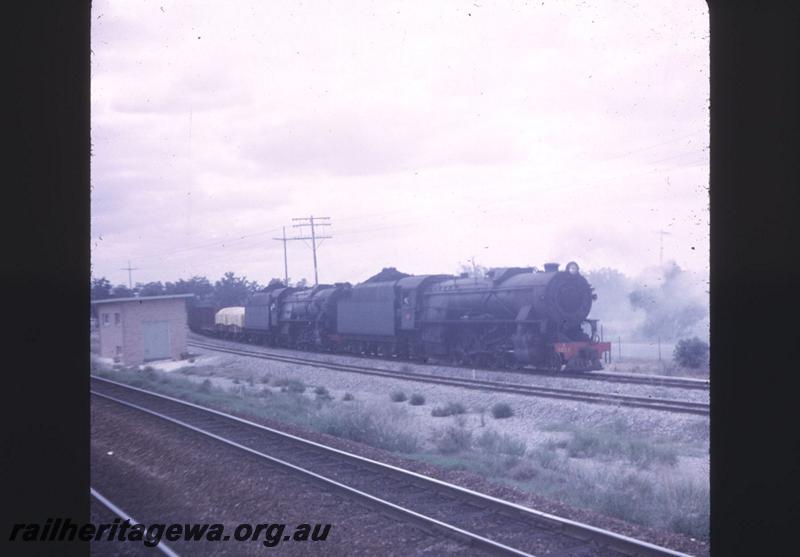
(136, 330)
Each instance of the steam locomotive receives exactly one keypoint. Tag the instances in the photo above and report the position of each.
(511, 318)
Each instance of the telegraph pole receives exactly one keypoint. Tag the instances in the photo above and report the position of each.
(312, 222)
(662, 233)
(129, 269)
(285, 260)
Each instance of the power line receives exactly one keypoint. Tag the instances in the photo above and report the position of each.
(312, 223)
(361, 216)
(647, 147)
(219, 242)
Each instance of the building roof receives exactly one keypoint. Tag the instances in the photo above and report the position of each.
(141, 299)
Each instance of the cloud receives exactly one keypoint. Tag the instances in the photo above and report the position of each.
(519, 133)
(354, 143)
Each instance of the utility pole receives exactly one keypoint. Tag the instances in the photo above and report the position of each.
(312, 222)
(129, 269)
(285, 260)
(474, 269)
(661, 250)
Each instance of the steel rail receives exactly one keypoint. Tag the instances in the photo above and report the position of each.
(612, 540)
(668, 405)
(654, 380)
(459, 533)
(161, 546)
(609, 377)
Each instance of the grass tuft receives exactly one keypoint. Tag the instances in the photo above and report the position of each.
(451, 440)
(505, 444)
(322, 393)
(449, 409)
(290, 385)
(416, 400)
(502, 410)
(523, 471)
(397, 396)
(368, 426)
(604, 444)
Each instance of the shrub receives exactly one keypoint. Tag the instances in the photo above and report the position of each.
(689, 503)
(265, 379)
(416, 400)
(495, 443)
(290, 385)
(295, 386)
(205, 386)
(588, 444)
(626, 498)
(548, 458)
(348, 396)
(322, 393)
(452, 440)
(523, 471)
(644, 454)
(502, 410)
(236, 381)
(691, 353)
(397, 396)
(378, 429)
(450, 409)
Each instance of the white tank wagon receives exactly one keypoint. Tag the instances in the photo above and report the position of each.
(230, 320)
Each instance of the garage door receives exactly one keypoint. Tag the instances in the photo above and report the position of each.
(156, 340)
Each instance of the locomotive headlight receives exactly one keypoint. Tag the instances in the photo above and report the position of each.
(572, 268)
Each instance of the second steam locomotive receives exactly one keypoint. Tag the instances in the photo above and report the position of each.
(511, 318)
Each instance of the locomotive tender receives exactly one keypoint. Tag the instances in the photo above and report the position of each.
(511, 318)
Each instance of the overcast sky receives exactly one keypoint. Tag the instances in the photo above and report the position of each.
(430, 132)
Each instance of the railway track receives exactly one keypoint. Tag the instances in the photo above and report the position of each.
(161, 546)
(667, 405)
(651, 380)
(483, 522)
(608, 377)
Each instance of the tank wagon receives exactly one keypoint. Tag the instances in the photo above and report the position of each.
(511, 318)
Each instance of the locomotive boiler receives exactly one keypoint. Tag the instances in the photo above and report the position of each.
(514, 316)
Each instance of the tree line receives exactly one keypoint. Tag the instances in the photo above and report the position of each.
(229, 290)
